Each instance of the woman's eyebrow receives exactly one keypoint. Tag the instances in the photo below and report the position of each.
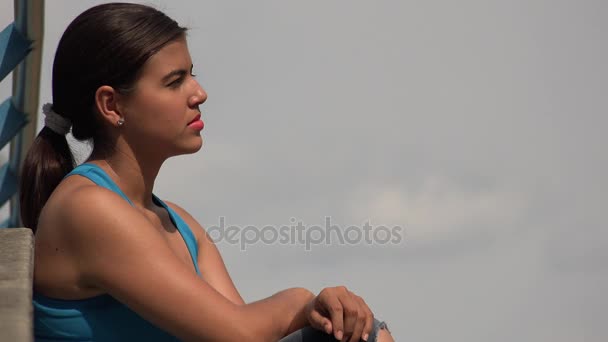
(177, 72)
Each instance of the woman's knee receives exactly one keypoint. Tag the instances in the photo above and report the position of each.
(384, 336)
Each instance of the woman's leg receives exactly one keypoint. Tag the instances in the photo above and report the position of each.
(380, 333)
(384, 336)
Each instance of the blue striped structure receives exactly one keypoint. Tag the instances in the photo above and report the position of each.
(19, 54)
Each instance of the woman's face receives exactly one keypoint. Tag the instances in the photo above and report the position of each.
(162, 115)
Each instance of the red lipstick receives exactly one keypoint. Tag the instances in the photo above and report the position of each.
(197, 123)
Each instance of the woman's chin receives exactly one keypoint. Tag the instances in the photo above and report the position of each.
(194, 146)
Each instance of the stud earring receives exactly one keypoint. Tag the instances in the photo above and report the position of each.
(121, 122)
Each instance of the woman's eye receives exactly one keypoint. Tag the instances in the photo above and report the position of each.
(176, 82)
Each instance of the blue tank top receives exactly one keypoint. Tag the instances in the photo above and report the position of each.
(102, 318)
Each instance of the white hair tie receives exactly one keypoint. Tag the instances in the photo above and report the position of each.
(57, 123)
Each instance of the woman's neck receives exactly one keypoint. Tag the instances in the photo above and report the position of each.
(134, 176)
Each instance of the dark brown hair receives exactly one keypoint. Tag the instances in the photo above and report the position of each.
(105, 45)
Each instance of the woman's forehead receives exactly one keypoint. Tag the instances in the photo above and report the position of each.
(174, 55)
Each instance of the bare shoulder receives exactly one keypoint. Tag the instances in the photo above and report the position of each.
(195, 227)
(77, 206)
(210, 261)
(82, 220)
(181, 211)
(74, 225)
(73, 207)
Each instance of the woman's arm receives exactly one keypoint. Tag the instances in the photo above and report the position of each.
(298, 298)
(210, 261)
(330, 299)
(115, 248)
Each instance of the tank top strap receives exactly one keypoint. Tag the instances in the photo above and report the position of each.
(98, 176)
(184, 230)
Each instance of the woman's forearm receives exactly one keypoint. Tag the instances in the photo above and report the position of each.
(280, 314)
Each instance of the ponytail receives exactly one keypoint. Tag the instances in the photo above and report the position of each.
(48, 160)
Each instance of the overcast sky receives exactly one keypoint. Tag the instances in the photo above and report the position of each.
(477, 126)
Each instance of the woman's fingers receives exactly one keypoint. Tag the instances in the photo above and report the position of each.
(366, 317)
(350, 308)
(320, 322)
(342, 312)
(336, 312)
(369, 321)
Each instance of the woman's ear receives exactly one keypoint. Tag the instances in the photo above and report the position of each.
(107, 103)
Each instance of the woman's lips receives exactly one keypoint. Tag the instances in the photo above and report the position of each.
(197, 123)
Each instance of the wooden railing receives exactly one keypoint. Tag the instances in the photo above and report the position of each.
(16, 279)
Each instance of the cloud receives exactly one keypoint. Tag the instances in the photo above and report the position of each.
(439, 208)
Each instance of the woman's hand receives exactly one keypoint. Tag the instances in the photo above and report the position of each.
(337, 310)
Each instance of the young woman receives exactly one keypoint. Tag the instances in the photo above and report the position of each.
(114, 262)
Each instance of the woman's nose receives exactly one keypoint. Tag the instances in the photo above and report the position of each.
(198, 97)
